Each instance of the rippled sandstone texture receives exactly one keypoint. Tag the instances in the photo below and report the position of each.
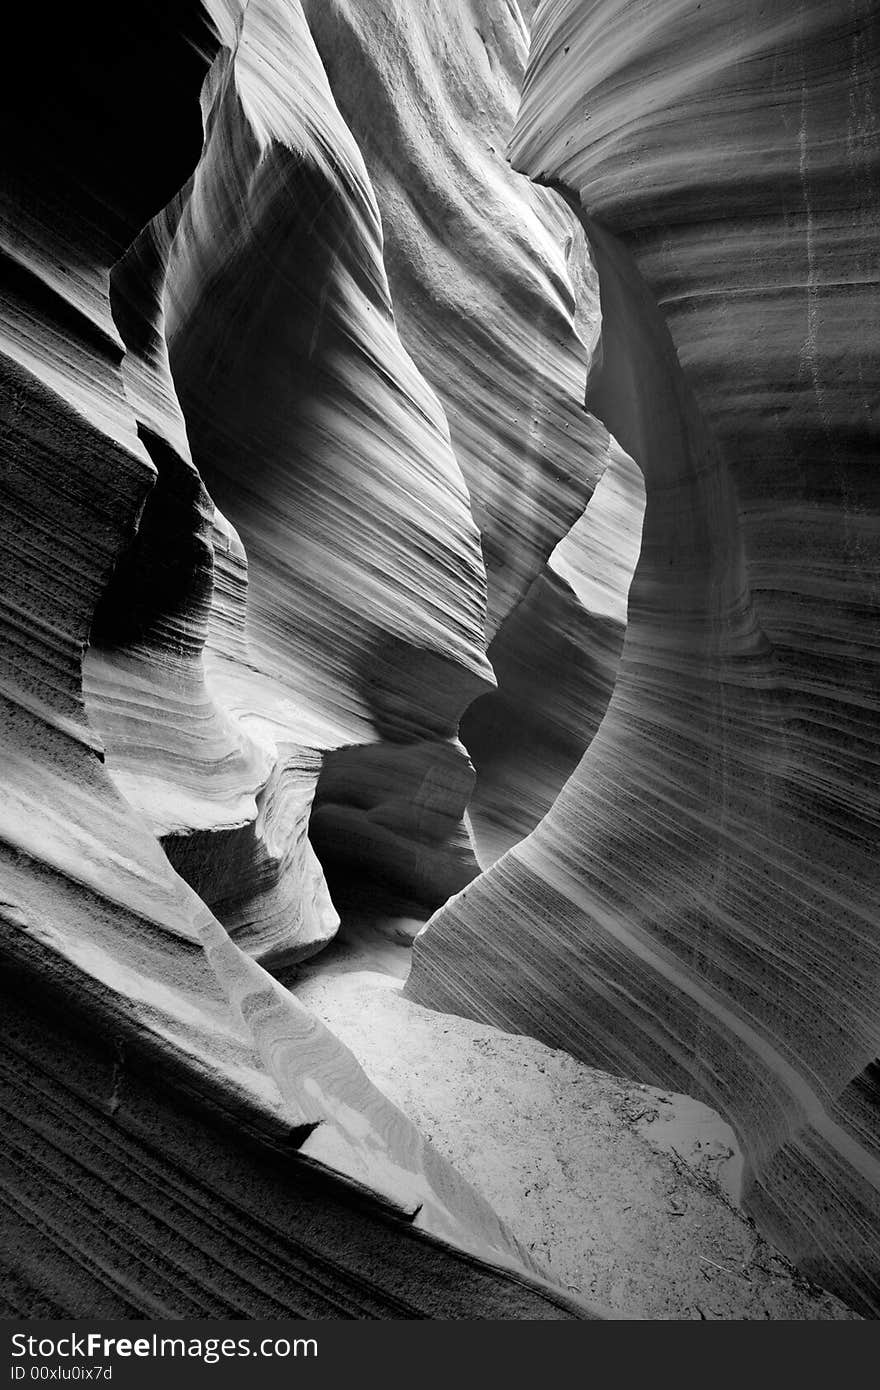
(315, 431)
(700, 907)
(335, 313)
(146, 1051)
(495, 296)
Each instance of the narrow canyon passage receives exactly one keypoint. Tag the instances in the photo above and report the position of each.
(556, 659)
(438, 689)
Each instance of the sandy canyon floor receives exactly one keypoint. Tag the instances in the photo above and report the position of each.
(626, 1194)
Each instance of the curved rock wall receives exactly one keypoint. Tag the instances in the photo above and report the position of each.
(495, 296)
(700, 905)
(309, 421)
(493, 290)
(693, 899)
(319, 438)
(556, 658)
(146, 1051)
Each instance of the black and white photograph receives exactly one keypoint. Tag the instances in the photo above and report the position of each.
(439, 679)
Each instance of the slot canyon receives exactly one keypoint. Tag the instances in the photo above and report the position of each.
(439, 643)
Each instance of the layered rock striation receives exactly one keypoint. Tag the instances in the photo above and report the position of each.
(495, 296)
(699, 907)
(148, 1052)
(324, 591)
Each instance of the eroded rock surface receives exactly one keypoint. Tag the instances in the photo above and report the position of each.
(137, 1027)
(555, 658)
(495, 296)
(296, 471)
(699, 908)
